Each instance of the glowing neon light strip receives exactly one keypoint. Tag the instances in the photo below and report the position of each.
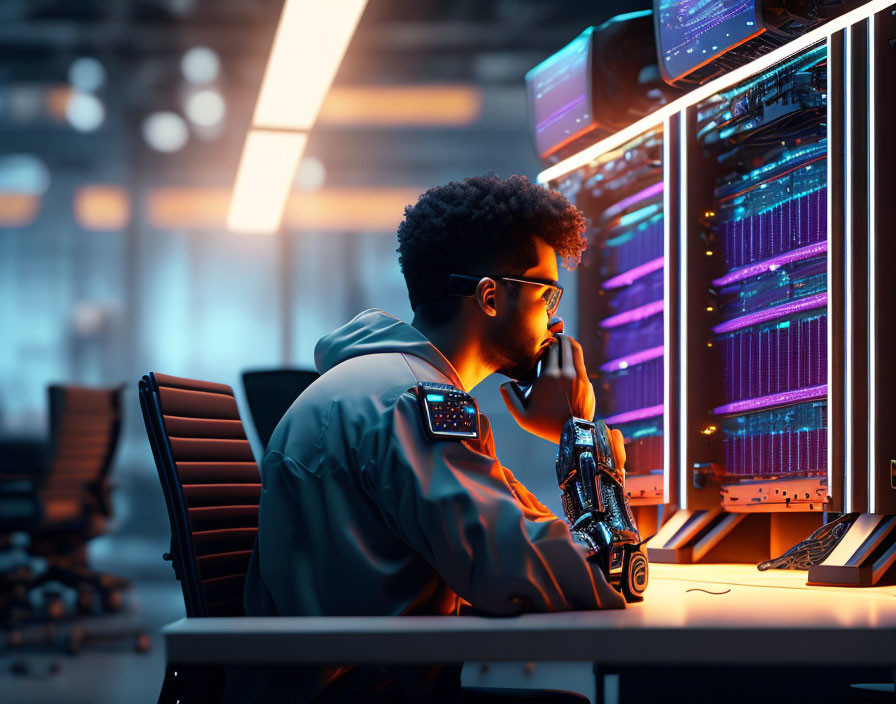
(762, 316)
(832, 400)
(684, 416)
(848, 265)
(667, 319)
(872, 278)
(629, 277)
(772, 263)
(630, 316)
(639, 414)
(637, 216)
(633, 359)
(699, 94)
(626, 203)
(782, 399)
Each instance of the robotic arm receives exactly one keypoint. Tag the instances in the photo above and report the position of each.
(596, 508)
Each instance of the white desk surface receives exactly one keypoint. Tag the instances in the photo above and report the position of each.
(761, 618)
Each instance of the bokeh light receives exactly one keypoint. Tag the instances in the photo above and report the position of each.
(85, 112)
(200, 65)
(206, 107)
(87, 74)
(165, 131)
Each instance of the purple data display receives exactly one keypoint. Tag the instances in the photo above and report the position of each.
(803, 452)
(636, 247)
(784, 227)
(632, 339)
(766, 360)
(636, 387)
(787, 440)
(559, 95)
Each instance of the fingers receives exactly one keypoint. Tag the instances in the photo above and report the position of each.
(511, 400)
(567, 363)
(618, 447)
(551, 360)
(578, 356)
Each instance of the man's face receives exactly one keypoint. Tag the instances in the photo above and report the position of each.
(522, 327)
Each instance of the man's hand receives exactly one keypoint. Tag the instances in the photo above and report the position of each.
(618, 444)
(562, 391)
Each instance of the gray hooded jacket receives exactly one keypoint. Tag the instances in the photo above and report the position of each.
(363, 514)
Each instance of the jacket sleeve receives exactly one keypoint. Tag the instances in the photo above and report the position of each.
(453, 504)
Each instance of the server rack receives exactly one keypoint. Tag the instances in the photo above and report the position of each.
(621, 303)
(833, 414)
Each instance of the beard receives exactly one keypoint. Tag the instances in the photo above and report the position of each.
(518, 351)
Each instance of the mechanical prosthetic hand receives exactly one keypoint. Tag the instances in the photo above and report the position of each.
(596, 508)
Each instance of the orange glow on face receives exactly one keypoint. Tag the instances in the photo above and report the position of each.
(102, 207)
(401, 105)
(18, 209)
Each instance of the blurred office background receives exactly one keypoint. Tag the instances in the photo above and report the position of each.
(121, 127)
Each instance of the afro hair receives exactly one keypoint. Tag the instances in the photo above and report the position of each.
(479, 226)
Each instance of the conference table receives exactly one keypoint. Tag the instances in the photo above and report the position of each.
(715, 615)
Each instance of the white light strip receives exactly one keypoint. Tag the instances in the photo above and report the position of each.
(848, 263)
(816, 36)
(264, 180)
(308, 47)
(833, 396)
(872, 280)
(668, 411)
(683, 418)
(309, 44)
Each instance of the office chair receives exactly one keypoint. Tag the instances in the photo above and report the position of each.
(61, 501)
(270, 392)
(212, 487)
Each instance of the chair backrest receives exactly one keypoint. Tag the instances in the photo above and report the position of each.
(270, 392)
(211, 484)
(85, 425)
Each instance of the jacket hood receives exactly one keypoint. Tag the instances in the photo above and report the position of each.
(373, 332)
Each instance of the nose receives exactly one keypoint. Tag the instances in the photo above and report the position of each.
(555, 324)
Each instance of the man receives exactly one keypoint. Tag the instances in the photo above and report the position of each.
(366, 511)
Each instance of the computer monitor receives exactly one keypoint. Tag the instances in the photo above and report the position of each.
(559, 96)
(693, 33)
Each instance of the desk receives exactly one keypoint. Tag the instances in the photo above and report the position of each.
(766, 618)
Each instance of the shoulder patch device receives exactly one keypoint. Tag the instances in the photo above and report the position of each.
(447, 412)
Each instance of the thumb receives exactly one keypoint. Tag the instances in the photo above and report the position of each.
(511, 400)
(618, 443)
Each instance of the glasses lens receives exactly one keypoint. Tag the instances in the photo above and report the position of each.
(553, 300)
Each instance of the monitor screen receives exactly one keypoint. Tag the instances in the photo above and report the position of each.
(559, 93)
(692, 33)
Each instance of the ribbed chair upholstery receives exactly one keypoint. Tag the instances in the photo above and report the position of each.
(211, 484)
(84, 429)
(61, 501)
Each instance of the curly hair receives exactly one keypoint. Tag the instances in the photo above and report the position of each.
(481, 225)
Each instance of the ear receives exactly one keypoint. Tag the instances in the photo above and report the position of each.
(486, 290)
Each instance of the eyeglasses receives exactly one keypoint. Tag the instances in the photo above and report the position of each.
(463, 285)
